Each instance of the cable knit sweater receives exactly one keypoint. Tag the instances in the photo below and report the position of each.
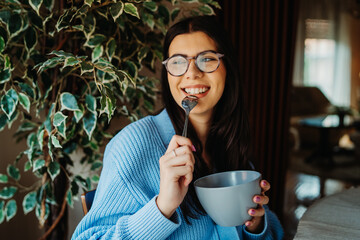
(124, 205)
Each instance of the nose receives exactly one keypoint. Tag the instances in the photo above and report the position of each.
(193, 71)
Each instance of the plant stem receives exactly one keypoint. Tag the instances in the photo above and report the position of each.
(26, 189)
(61, 214)
(81, 77)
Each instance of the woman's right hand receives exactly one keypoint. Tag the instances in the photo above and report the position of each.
(176, 173)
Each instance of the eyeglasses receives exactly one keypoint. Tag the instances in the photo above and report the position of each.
(207, 61)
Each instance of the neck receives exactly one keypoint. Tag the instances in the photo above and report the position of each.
(201, 125)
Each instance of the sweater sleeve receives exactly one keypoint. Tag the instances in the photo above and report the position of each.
(121, 210)
(272, 228)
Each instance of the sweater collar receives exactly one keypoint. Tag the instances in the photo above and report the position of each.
(164, 125)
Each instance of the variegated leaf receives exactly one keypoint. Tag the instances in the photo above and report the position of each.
(30, 39)
(110, 48)
(29, 202)
(97, 53)
(36, 4)
(53, 170)
(68, 102)
(89, 123)
(131, 9)
(39, 163)
(55, 142)
(10, 209)
(59, 118)
(24, 101)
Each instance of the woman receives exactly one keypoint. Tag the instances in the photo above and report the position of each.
(145, 189)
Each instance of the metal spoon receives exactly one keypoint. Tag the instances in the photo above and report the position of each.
(188, 103)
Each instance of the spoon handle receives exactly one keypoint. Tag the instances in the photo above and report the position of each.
(184, 133)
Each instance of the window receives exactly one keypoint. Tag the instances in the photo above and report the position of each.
(323, 57)
(319, 55)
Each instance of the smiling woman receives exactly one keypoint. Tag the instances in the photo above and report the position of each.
(146, 186)
(194, 80)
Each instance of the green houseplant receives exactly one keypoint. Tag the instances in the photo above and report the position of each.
(66, 69)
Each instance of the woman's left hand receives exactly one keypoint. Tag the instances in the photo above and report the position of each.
(256, 224)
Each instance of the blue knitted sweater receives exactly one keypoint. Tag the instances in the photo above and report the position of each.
(124, 205)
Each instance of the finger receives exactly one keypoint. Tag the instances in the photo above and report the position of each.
(182, 171)
(177, 141)
(261, 199)
(248, 223)
(265, 185)
(251, 224)
(183, 160)
(179, 159)
(188, 177)
(259, 212)
(184, 150)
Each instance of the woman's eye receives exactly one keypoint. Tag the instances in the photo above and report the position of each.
(178, 61)
(207, 59)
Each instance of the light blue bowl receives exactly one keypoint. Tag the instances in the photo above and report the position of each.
(227, 196)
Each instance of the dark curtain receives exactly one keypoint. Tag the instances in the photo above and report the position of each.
(263, 33)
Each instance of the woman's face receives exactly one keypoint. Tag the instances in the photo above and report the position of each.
(208, 87)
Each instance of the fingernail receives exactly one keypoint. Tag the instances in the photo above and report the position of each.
(263, 183)
(193, 148)
(257, 199)
(252, 211)
(247, 224)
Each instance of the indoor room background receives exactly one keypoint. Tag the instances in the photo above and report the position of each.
(281, 45)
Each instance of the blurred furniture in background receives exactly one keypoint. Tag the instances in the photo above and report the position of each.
(355, 139)
(309, 102)
(315, 135)
(323, 125)
(333, 217)
(87, 199)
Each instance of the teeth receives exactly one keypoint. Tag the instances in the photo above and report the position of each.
(196, 90)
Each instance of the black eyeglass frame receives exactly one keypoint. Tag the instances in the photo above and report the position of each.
(187, 58)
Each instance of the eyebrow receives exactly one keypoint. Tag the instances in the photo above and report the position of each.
(185, 55)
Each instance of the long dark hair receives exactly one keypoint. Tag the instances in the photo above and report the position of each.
(228, 137)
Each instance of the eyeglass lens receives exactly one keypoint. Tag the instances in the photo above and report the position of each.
(206, 62)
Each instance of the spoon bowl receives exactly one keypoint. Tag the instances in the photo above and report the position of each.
(188, 103)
